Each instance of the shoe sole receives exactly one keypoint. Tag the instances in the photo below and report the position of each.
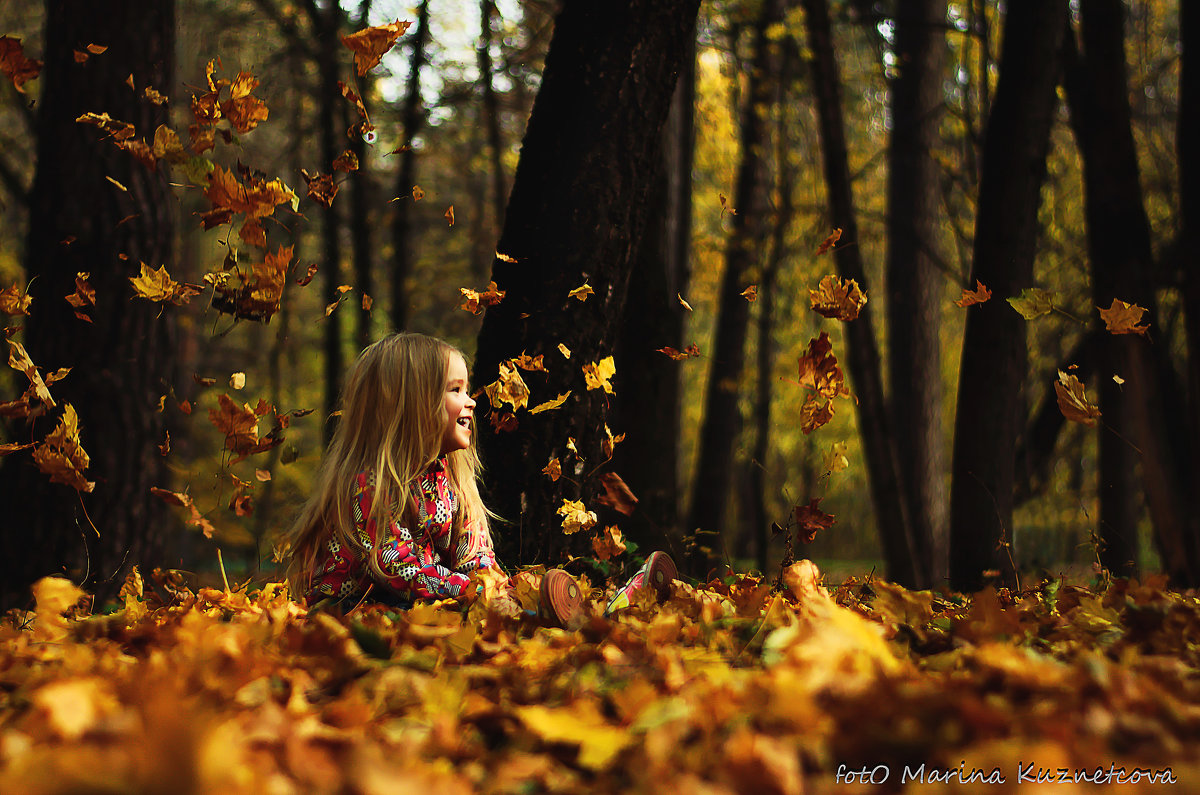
(560, 597)
(661, 573)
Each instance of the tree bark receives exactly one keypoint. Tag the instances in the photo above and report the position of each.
(994, 352)
(491, 109)
(121, 362)
(1189, 217)
(413, 116)
(708, 516)
(863, 361)
(914, 282)
(575, 214)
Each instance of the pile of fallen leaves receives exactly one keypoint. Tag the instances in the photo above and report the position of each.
(734, 686)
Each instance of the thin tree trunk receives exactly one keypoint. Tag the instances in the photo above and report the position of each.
(863, 361)
(579, 200)
(914, 282)
(1189, 216)
(708, 517)
(994, 351)
(491, 110)
(362, 200)
(79, 221)
(413, 117)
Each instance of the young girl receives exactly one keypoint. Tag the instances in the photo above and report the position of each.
(395, 514)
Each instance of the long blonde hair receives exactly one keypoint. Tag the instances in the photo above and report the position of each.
(392, 424)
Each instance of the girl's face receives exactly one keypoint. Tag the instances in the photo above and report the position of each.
(459, 407)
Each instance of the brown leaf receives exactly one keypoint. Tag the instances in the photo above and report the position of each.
(1072, 400)
(503, 421)
(308, 276)
(977, 296)
(165, 447)
(508, 388)
(811, 520)
(679, 356)
(530, 363)
(473, 301)
(13, 301)
(830, 241)
(159, 286)
(347, 161)
(243, 110)
(1123, 318)
(61, 455)
(240, 426)
(321, 188)
(608, 543)
(254, 198)
(553, 470)
(449, 216)
(119, 130)
(814, 413)
(616, 494)
(196, 519)
(370, 44)
(837, 298)
(819, 371)
(14, 63)
(750, 293)
(83, 297)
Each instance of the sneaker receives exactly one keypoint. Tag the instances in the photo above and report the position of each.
(559, 598)
(658, 572)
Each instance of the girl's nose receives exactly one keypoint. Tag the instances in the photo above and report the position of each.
(470, 401)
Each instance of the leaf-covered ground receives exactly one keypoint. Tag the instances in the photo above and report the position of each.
(725, 688)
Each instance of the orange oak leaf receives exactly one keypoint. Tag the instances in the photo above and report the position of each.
(679, 356)
(841, 299)
(370, 44)
(812, 520)
(830, 241)
(1123, 318)
(1072, 400)
(449, 216)
(616, 494)
(15, 65)
(977, 296)
(61, 455)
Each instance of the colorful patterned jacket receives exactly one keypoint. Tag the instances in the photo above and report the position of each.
(417, 563)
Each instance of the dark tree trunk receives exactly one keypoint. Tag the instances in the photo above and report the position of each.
(862, 351)
(914, 283)
(326, 24)
(491, 110)
(576, 213)
(708, 516)
(121, 363)
(1121, 259)
(413, 117)
(648, 404)
(1189, 216)
(362, 202)
(994, 354)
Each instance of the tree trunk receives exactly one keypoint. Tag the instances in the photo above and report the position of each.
(121, 363)
(1189, 216)
(362, 200)
(579, 200)
(708, 516)
(649, 402)
(989, 419)
(491, 109)
(914, 282)
(891, 512)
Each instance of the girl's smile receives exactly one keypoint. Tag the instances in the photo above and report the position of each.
(460, 408)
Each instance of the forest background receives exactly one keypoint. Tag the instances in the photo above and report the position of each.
(955, 429)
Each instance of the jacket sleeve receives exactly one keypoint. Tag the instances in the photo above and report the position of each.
(411, 566)
(475, 550)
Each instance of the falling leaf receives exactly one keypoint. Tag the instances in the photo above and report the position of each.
(1033, 302)
(262, 475)
(598, 376)
(83, 297)
(576, 517)
(550, 405)
(242, 505)
(1072, 400)
(243, 110)
(117, 129)
(840, 299)
(157, 285)
(819, 371)
(811, 520)
(582, 292)
(304, 280)
(616, 494)
(237, 380)
(508, 388)
(154, 97)
(252, 291)
(9, 448)
(835, 459)
(1123, 318)
(683, 303)
(725, 208)
(165, 447)
(530, 363)
(202, 381)
(553, 470)
(13, 301)
(686, 353)
(750, 293)
(830, 241)
(503, 421)
(121, 187)
(254, 198)
(195, 519)
(369, 45)
(367, 302)
(347, 161)
(321, 188)
(240, 426)
(504, 257)
(417, 193)
(1118, 380)
(61, 455)
(608, 543)
(564, 350)
(571, 445)
(814, 413)
(14, 63)
(474, 301)
(977, 296)
(609, 443)
(449, 215)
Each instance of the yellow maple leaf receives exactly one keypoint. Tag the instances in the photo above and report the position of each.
(598, 375)
(508, 388)
(1123, 318)
(157, 285)
(582, 292)
(576, 517)
(608, 543)
(550, 405)
(61, 455)
(474, 301)
(14, 301)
